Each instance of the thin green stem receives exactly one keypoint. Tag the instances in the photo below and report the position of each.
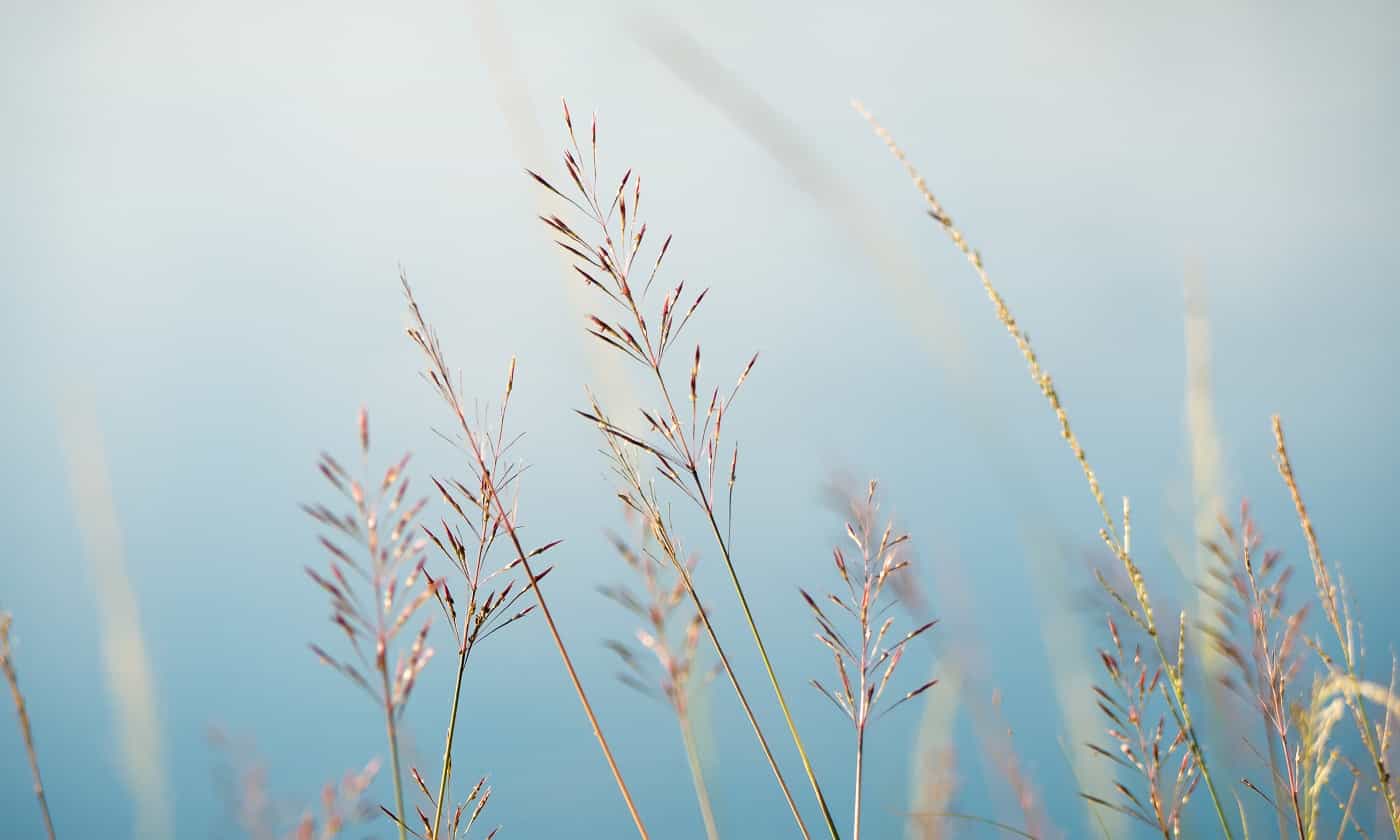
(393, 752)
(763, 654)
(743, 699)
(451, 733)
(633, 479)
(706, 504)
(697, 775)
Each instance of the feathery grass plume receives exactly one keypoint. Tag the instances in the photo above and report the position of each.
(1139, 742)
(381, 525)
(864, 669)
(481, 608)
(659, 602)
(7, 666)
(254, 810)
(440, 375)
(685, 451)
(1337, 611)
(1249, 589)
(1118, 541)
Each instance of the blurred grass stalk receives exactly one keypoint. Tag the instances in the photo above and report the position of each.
(1203, 436)
(124, 654)
(513, 100)
(1116, 537)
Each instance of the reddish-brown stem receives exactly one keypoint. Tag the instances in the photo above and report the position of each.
(558, 640)
(7, 665)
(860, 764)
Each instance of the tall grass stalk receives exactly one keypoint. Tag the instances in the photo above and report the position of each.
(1337, 613)
(681, 463)
(7, 665)
(400, 814)
(441, 377)
(1117, 541)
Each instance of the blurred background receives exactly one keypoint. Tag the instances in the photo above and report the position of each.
(207, 206)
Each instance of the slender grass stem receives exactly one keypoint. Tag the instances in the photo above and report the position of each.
(697, 775)
(22, 711)
(860, 766)
(633, 479)
(763, 654)
(451, 732)
(393, 734)
(559, 643)
(743, 699)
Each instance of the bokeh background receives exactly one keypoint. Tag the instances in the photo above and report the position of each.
(206, 206)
